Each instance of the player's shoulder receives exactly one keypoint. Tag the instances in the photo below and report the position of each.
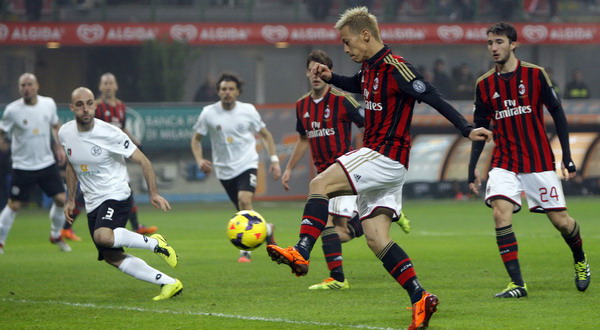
(67, 128)
(303, 97)
(14, 105)
(399, 66)
(342, 94)
(102, 127)
(531, 65)
(485, 76)
(45, 99)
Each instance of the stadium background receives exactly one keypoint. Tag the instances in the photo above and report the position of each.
(165, 53)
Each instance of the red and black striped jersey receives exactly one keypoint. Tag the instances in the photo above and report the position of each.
(513, 103)
(327, 125)
(390, 87)
(114, 115)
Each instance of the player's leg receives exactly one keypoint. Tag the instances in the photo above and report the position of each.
(569, 230)
(545, 194)
(68, 232)
(399, 265)
(109, 231)
(503, 195)
(332, 250)
(21, 183)
(106, 224)
(50, 181)
(332, 180)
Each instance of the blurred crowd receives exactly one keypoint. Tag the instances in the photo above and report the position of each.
(322, 10)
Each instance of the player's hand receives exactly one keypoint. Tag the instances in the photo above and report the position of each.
(480, 134)
(61, 157)
(69, 207)
(205, 166)
(474, 186)
(568, 171)
(285, 178)
(275, 170)
(160, 202)
(321, 71)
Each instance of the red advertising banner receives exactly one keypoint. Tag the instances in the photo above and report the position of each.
(126, 34)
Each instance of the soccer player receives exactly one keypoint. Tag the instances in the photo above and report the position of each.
(32, 123)
(232, 126)
(113, 111)
(511, 96)
(96, 153)
(376, 172)
(323, 120)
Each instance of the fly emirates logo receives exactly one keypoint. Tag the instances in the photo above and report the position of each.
(512, 109)
(317, 131)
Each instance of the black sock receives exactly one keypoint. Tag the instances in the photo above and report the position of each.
(332, 249)
(314, 220)
(509, 252)
(575, 243)
(399, 265)
(133, 218)
(355, 226)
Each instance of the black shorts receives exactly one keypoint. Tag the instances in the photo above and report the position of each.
(111, 214)
(48, 179)
(243, 182)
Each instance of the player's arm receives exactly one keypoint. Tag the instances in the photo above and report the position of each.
(481, 120)
(72, 181)
(554, 106)
(267, 137)
(61, 157)
(299, 151)
(347, 83)
(148, 172)
(411, 82)
(203, 164)
(132, 138)
(4, 144)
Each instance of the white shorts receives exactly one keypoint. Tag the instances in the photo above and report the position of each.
(343, 206)
(376, 179)
(543, 190)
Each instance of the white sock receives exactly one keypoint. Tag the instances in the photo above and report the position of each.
(139, 269)
(57, 218)
(7, 217)
(129, 239)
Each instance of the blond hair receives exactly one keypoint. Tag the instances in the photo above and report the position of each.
(359, 19)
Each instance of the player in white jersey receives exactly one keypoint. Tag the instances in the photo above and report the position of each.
(232, 127)
(96, 154)
(32, 123)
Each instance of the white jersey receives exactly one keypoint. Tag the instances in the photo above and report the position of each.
(232, 137)
(30, 128)
(98, 158)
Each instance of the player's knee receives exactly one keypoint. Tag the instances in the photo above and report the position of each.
(318, 185)
(103, 237)
(60, 199)
(113, 258)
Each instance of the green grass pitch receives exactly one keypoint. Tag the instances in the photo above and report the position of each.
(452, 246)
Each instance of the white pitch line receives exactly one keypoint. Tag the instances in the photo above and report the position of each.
(228, 316)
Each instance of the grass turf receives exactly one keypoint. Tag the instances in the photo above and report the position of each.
(452, 246)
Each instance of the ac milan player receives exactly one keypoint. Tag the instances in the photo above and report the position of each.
(376, 172)
(512, 96)
(323, 120)
(113, 111)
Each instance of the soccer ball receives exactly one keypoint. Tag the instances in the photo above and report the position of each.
(247, 230)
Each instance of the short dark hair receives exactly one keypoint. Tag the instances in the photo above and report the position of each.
(319, 56)
(230, 76)
(503, 29)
